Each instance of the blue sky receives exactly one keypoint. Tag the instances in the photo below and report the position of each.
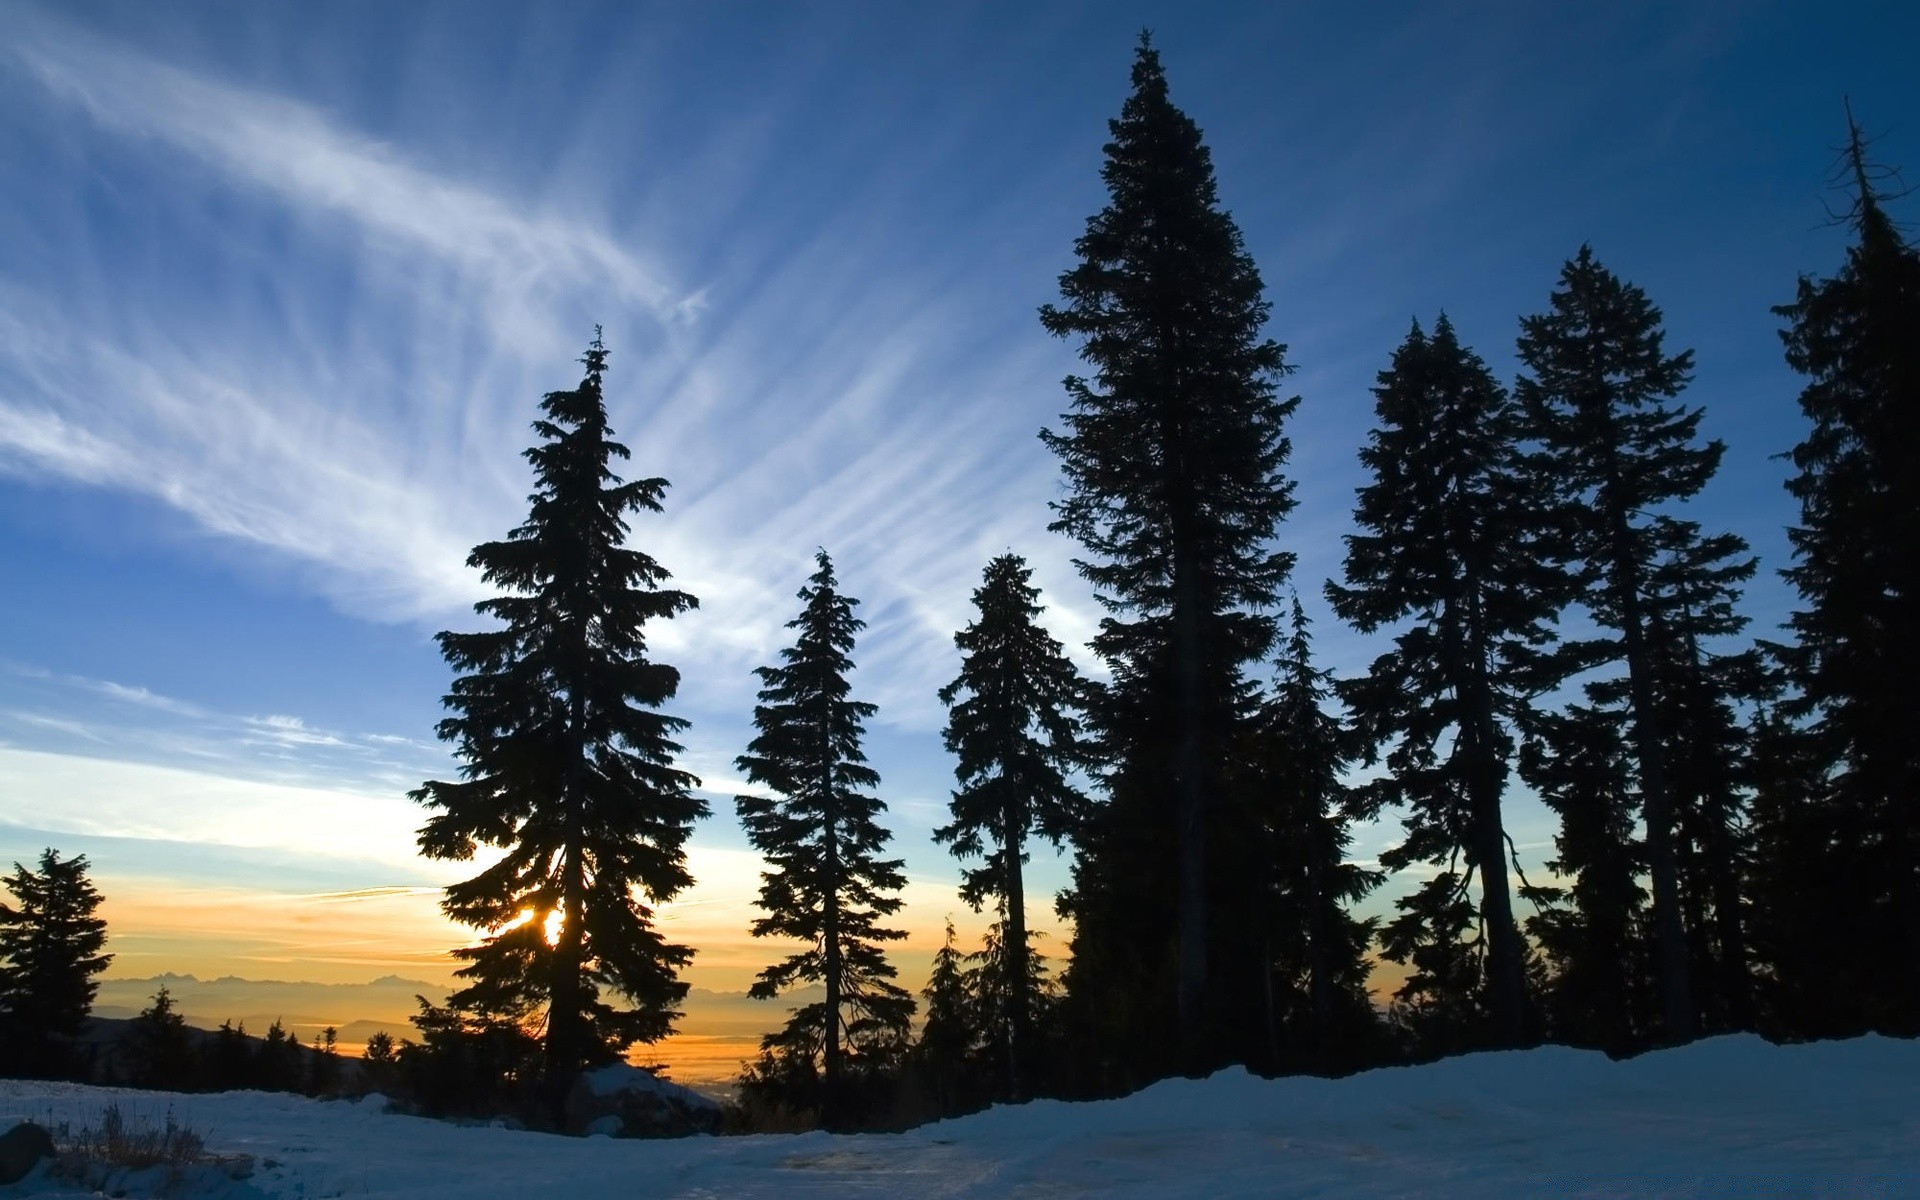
(281, 285)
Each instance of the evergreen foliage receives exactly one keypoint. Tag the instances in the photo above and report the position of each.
(160, 1052)
(950, 1042)
(827, 886)
(226, 1059)
(992, 992)
(1172, 451)
(323, 1067)
(1013, 727)
(471, 1064)
(50, 943)
(567, 760)
(276, 1061)
(1450, 550)
(1856, 337)
(1594, 933)
(1312, 950)
(1619, 456)
(380, 1048)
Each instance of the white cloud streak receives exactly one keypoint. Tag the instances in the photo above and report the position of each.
(863, 430)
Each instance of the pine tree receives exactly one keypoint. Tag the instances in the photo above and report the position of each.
(567, 760)
(323, 1071)
(1450, 551)
(993, 993)
(49, 956)
(1172, 452)
(1313, 952)
(276, 1060)
(1856, 336)
(1805, 887)
(827, 886)
(1593, 932)
(1619, 457)
(951, 1036)
(1013, 727)
(160, 1054)
(226, 1059)
(379, 1050)
(1692, 604)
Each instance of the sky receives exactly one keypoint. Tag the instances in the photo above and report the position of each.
(281, 287)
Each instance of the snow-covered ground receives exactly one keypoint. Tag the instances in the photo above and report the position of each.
(1725, 1117)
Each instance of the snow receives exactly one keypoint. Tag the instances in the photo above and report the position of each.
(616, 1078)
(1728, 1116)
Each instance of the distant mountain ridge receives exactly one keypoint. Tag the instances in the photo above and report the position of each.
(718, 1032)
(357, 1010)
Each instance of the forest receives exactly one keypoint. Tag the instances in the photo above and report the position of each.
(1738, 846)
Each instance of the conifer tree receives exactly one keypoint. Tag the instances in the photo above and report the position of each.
(993, 993)
(1619, 456)
(50, 943)
(379, 1050)
(226, 1059)
(827, 886)
(951, 1036)
(1013, 726)
(567, 760)
(276, 1060)
(1594, 931)
(1856, 337)
(1580, 767)
(157, 1045)
(1449, 551)
(1314, 952)
(1805, 888)
(1172, 451)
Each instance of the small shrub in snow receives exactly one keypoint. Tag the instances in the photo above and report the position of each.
(119, 1156)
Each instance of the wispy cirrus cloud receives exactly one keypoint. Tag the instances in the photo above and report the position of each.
(372, 467)
(306, 159)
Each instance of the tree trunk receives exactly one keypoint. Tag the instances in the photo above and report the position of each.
(1670, 935)
(564, 1006)
(1191, 825)
(1319, 985)
(1014, 953)
(830, 1096)
(1479, 732)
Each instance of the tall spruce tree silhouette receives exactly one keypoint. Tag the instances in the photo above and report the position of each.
(1450, 548)
(1013, 726)
(1619, 457)
(567, 760)
(1172, 453)
(50, 943)
(1314, 954)
(826, 885)
(950, 1039)
(1856, 337)
(1601, 992)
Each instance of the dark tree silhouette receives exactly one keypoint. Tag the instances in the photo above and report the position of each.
(1600, 989)
(1172, 452)
(1013, 726)
(1314, 953)
(1856, 336)
(950, 1040)
(226, 1059)
(1596, 392)
(158, 1049)
(826, 885)
(1450, 549)
(50, 943)
(567, 760)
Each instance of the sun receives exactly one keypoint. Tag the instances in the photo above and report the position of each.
(555, 921)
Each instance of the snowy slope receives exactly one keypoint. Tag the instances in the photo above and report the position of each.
(1729, 1116)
